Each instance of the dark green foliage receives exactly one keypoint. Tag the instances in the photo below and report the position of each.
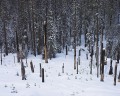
(66, 19)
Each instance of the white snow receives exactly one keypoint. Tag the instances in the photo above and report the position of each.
(56, 83)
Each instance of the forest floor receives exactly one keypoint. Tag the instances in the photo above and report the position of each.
(56, 83)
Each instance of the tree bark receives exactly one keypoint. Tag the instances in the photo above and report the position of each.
(43, 75)
(33, 29)
(5, 34)
(115, 74)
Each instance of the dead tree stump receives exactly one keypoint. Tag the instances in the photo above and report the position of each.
(63, 68)
(79, 60)
(32, 68)
(111, 68)
(43, 75)
(66, 50)
(79, 52)
(115, 74)
(118, 57)
(91, 55)
(119, 77)
(87, 56)
(40, 71)
(102, 65)
(77, 67)
(23, 71)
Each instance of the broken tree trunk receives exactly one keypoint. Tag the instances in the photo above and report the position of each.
(115, 74)
(118, 56)
(43, 75)
(23, 71)
(91, 60)
(66, 50)
(32, 68)
(102, 64)
(111, 68)
(63, 68)
(77, 67)
(101, 58)
(40, 70)
(45, 41)
(5, 36)
(119, 77)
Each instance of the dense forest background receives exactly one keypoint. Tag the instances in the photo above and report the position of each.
(40, 26)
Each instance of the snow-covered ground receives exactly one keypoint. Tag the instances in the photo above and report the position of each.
(56, 83)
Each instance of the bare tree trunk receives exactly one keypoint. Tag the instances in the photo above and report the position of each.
(75, 37)
(91, 60)
(63, 68)
(39, 42)
(111, 68)
(118, 56)
(74, 52)
(45, 42)
(101, 57)
(79, 60)
(32, 68)
(40, 70)
(43, 75)
(63, 39)
(5, 34)
(97, 49)
(45, 36)
(34, 35)
(30, 24)
(77, 67)
(101, 43)
(115, 74)
(23, 71)
(97, 61)
(1, 54)
(85, 36)
(17, 47)
(66, 50)
(102, 64)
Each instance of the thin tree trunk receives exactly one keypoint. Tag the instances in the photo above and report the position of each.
(75, 54)
(1, 54)
(5, 34)
(34, 35)
(43, 75)
(101, 43)
(77, 67)
(91, 60)
(40, 70)
(30, 24)
(102, 64)
(45, 42)
(66, 50)
(75, 39)
(63, 42)
(97, 49)
(17, 47)
(115, 74)
(45, 37)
